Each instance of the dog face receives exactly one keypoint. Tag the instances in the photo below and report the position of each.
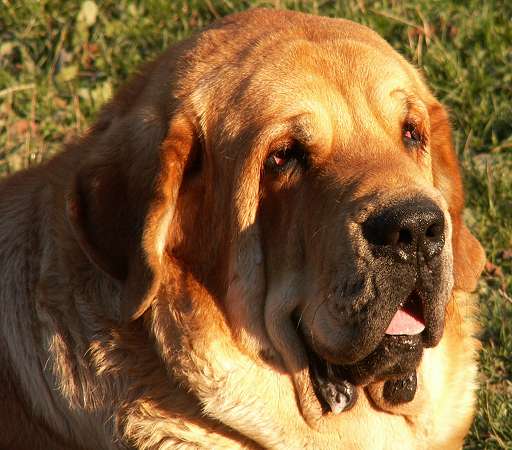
(351, 221)
(305, 177)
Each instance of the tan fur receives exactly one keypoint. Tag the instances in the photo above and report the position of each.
(147, 281)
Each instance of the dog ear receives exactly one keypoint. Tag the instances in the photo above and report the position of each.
(468, 254)
(245, 297)
(122, 201)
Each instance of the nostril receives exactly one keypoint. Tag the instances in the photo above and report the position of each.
(405, 237)
(433, 242)
(434, 231)
(389, 236)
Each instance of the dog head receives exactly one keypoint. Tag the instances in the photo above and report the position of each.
(299, 168)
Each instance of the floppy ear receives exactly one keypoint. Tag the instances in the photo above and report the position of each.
(122, 202)
(245, 298)
(468, 254)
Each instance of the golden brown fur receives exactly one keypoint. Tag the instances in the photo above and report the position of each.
(146, 270)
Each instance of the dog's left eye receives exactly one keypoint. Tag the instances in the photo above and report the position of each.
(286, 158)
(411, 136)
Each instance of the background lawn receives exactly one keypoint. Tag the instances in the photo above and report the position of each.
(61, 60)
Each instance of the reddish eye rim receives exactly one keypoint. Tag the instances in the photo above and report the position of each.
(286, 158)
(279, 158)
(411, 135)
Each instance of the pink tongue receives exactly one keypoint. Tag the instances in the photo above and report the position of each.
(405, 323)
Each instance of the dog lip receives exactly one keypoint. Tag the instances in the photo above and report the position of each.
(334, 392)
(418, 304)
(433, 311)
(394, 357)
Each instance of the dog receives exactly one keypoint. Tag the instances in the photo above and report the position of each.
(258, 244)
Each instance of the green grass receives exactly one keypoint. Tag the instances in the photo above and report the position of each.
(60, 60)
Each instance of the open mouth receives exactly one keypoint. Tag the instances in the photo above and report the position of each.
(394, 361)
(408, 320)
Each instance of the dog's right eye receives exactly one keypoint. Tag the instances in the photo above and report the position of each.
(411, 136)
(286, 158)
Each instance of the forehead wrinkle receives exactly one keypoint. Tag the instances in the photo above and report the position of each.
(367, 123)
(314, 126)
(388, 108)
(336, 118)
(359, 96)
(305, 102)
(362, 111)
(326, 112)
(342, 94)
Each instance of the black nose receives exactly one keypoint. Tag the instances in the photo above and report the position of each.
(407, 228)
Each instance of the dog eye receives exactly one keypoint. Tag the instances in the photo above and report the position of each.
(411, 135)
(286, 158)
